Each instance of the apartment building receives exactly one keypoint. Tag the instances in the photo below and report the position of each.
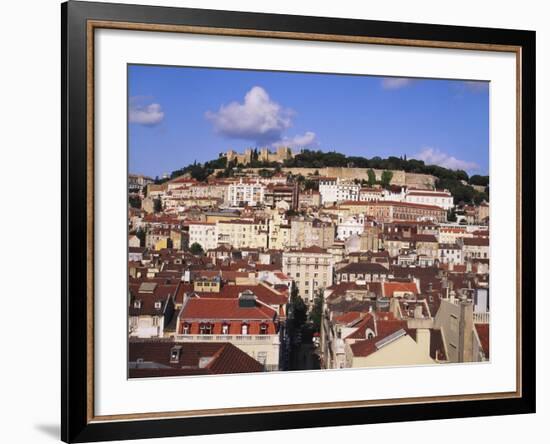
(246, 192)
(310, 268)
(243, 233)
(205, 234)
(333, 189)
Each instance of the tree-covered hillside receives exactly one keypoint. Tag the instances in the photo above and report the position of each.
(456, 181)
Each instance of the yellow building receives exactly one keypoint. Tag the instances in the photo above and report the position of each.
(396, 349)
(243, 233)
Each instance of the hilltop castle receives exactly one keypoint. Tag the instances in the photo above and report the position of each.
(263, 155)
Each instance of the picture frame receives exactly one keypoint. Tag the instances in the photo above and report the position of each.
(80, 22)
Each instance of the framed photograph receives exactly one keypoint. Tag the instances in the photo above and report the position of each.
(275, 221)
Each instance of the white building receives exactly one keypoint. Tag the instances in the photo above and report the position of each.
(205, 234)
(370, 194)
(350, 225)
(333, 189)
(394, 194)
(450, 254)
(245, 192)
(438, 198)
(310, 269)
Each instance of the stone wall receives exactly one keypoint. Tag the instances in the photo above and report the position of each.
(424, 181)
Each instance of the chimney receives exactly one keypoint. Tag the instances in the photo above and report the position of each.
(394, 308)
(247, 299)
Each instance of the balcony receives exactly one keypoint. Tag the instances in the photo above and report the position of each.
(235, 339)
(481, 318)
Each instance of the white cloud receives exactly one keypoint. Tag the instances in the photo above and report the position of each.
(306, 140)
(258, 118)
(396, 82)
(433, 156)
(149, 115)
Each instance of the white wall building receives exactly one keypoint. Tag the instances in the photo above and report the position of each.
(332, 190)
(350, 225)
(450, 254)
(370, 194)
(205, 234)
(438, 198)
(310, 269)
(245, 192)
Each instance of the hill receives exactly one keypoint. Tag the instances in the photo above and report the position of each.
(458, 182)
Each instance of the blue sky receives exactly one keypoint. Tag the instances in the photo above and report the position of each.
(178, 115)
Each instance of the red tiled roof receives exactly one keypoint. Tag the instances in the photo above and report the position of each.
(420, 193)
(384, 329)
(366, 323)
(343, 287)
(483, 334)
(362, 268)
(224, 309)
(225, 358)
(263, 293)
(476, 241)
(348, 317)
(313, 249)
(389, 288)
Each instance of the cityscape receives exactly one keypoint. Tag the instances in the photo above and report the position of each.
(254, 248)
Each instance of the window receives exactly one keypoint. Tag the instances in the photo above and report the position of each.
(137, 304)
(244, 329)
(225, 329)
(158, 305)
(205, 329)
(263, 329)
(185, 329)
(175, 354)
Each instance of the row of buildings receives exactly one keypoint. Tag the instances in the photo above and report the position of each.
(214, 269)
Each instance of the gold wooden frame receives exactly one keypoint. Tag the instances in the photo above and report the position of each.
(92, 25)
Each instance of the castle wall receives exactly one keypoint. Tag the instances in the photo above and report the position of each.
(400, 178)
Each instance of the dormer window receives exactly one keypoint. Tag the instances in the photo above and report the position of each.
(244, 329)
(205, 329)
(225, 329)
(185, 329)
(137, 304)
(263, 329)
(158, 305)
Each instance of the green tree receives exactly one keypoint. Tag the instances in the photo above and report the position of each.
(311, 185)
(476, 179)
(140, 233)
(196, 249)
(451, 215)
(134, 201)
(316, 315)
(386, 178)
(297, 307)
(371, 178)
(266, 173)
(157, 205)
